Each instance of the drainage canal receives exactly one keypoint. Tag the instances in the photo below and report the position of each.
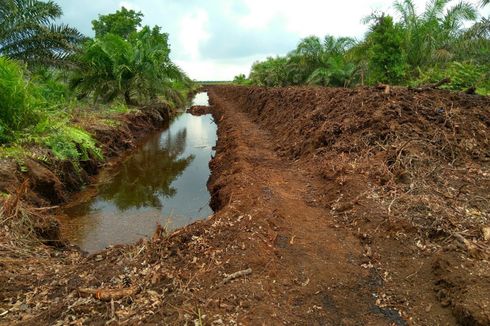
(163, 181)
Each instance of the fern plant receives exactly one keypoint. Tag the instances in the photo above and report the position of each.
(466, 75)
(72, 144)
(462, 76)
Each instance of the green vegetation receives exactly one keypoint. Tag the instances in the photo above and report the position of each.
(214, 82)
(55, 84)
(16, 101)
(26, 117)
(412, 50)
(387, 62)
(70, 143)
(241, 79)
(28, 33)
(122, 23)
(126, 63)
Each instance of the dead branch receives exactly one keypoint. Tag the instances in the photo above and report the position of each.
(110, 294)
(11, 205)
(486, 233)
(384, 87)
(433, 85)
(236, 275)
(45, 208)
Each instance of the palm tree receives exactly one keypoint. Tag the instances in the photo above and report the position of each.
(306, 57)
(137, 69)
(474, 44)
(332, 68)
(27, 33)
(429, 37)
(310, 48)
(337, 46)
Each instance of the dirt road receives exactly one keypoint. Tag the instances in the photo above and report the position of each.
(311, 270)
(326, 214)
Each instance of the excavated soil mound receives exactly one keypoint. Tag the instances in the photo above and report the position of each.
(407, 162)
(199, 110)
(431, 143)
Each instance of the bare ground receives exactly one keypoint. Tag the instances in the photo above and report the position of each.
(335, 207)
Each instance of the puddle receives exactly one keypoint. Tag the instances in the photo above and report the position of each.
(163, 181)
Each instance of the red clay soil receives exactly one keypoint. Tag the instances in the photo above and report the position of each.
(333, 207)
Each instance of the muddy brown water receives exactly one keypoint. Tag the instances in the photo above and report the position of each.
(162, 181)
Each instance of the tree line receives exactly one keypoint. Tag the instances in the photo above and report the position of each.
(443, 42)
(48, 71)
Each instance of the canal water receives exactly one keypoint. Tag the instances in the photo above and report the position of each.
(163, 181)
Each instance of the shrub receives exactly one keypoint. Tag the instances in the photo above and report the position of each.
(23, 121)
(387, 60)
(462, 75)
(50, 86)
(16, 102)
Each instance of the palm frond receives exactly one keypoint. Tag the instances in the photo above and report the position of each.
(28, 34)
(459, 13)
(407, 10)
(434, 9)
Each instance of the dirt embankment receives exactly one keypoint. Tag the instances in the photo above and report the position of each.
(51, 182)
(409, 170)
(198, 110)
(333, 206)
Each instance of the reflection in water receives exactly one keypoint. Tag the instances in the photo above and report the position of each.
(146, 178)
(164, 182)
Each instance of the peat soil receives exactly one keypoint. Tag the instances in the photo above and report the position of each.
(333, 207)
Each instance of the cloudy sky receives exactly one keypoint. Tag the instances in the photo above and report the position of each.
(218, 39)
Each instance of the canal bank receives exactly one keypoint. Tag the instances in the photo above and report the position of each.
(162, 181)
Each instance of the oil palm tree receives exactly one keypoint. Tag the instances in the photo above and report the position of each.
(474, 43)
(307, 57)
(332, 68)
(429, 37)
(137, 69)
(27, 32)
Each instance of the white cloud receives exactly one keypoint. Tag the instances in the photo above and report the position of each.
(205, 34)
(320, 17)
(129, 6)
(210, 69)
(193, 32)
